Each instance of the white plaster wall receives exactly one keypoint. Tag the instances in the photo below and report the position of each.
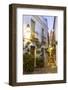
(38, 25)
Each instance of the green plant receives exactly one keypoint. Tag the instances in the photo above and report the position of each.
(28, 63)
(39, 62)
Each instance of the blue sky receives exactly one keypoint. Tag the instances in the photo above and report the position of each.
(50, 20)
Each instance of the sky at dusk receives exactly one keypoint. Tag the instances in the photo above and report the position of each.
(50, 21)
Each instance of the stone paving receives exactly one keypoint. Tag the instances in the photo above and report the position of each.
(49, 68)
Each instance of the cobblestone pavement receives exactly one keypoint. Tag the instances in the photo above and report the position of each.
(48, 68)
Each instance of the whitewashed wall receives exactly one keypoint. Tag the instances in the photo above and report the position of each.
(38, 25)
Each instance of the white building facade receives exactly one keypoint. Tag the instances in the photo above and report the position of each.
(37, 27)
